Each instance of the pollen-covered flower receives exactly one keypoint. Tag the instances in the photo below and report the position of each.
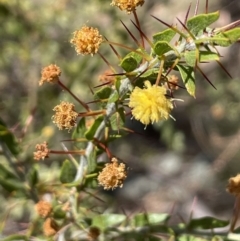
(50, 74)
(65, 116)
(234, 185)
(50, 227)
(150, 104)
(86, 40)
(112, 175)
(127, 5)
(43, 208)
(41, 152)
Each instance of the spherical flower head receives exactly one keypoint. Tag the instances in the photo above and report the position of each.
(65, 116)
(112, 175)
(150, 104)
(127, 5)
(234, 185)
(50, 74)
(50, 227)
(86, 40)
(41, 152)
(43, 208)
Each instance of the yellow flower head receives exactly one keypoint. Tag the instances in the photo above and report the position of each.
(127, 5)
(50, 74)
(86, 40)
(234, 185)
(65, 116)
(112, 175)
(150, 104)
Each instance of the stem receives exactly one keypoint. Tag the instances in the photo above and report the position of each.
(82, 152)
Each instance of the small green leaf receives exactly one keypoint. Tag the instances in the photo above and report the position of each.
(92, 130)
(230, 36)
(16, 237)
(58, 213)
(143, 219)
(92, 161)
(165, 35)
(105, 221)
(187, 74)
(162, 47)
(131, 61)
(117, 120)
(68, 172)
(103, 95)
(200, 22)
(6, 173)
(32, 177)
(79, 133)
(190, 58)
(11, 185)
(9, 139)
(207, 223)
(186, 237)
(113, 97)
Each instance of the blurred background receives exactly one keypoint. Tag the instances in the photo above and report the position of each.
(171, 164)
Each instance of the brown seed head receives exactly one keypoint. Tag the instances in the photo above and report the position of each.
(172, 82)
(65, 116)
(127, 5)
(50, 74)
(234, 185)
(43, 208)
(107, 77)
(50, 227)
(93, 233)
(112, 175)
(86, 40)
(41, 152)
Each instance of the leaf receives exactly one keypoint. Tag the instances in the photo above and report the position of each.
(131, 61)
(92, 130)
(113, 97)
(79, 133)
(92, 161)
(103, 94)
(187, 74)
(105, 221)
(58, 213)
(16, 237)
(5, 173)
(162, 47)
(165, 35)
(201, 21)
(68, 172)
(143, 219)
(190, 238)
(32, 177)
(11, 185)
(117, 120)
(207, 223)
(9, 139)
(231, 36)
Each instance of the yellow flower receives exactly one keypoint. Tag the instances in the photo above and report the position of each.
(127, 5)
(65, 116)
(112, 175)
(86, 40)
(234, 185)
(150, 104)
(50, 74)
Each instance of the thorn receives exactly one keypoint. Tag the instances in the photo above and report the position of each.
(224, 69)
(196, 8)
(206, 7)
(114, 50)
(138, 24)
(185, 27)
(197, 67)
(187, 14)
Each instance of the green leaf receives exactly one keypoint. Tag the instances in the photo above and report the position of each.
(92, 161)
(230, 36)
(9, 139)
(143, 219)
(92, 130)
(207, 223)
(114, 97)
(200, 22)
(105, 221)
(190, 238)
(103, 94)
(68, 172)
(79, 133)
(204, 56)
(131, 61)
(16, 237)
(5, 173)
(58, 213)
(117, 120)
(162, 47)
(187, 74)
(11, 185)
(32, 177)
(165, 35)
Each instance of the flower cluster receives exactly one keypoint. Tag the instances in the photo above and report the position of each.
(50, 227)
(86, 40)
(41, 152)
(43, 208)
(112, 175)
(150, 104)
(234, 185)
(127, 5)
(50, 74)
(65, 116)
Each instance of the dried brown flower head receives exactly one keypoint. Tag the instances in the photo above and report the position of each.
(41, 152)
(43, 208)
(112, 175)
(107, 77)
(86, 40)
(93, 233)
(127, 5)
(50, 227)
(172, 82)
(50, 74)
(234, 185)
(65, 116)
